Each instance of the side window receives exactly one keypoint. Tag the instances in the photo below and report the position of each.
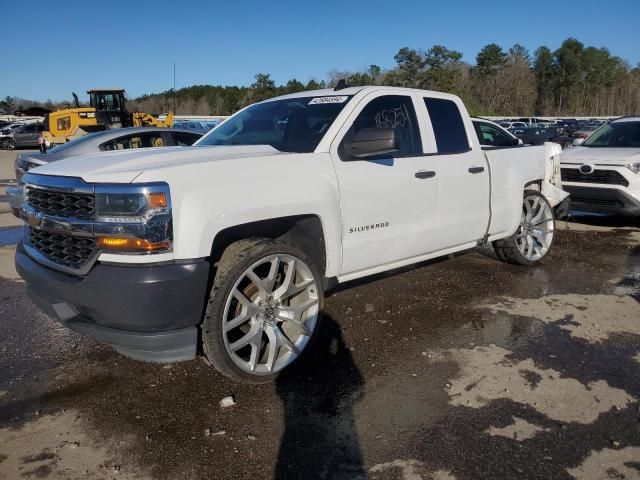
(184, 139)
(29, 128)
(148, 140)
(121, 143)
(448, 127)
(492, 136)
(64, 123)
(391, 111)
(134, 141)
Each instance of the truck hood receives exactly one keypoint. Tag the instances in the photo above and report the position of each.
(601, 155)
(125, 165)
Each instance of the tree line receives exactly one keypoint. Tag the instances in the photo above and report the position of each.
(573, 80)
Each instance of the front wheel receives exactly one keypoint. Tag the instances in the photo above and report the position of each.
(8, 144)
(534, 237)
(264, 309)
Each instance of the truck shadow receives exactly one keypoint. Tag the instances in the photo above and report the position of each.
(320, 439)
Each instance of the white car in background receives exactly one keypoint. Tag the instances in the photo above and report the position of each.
(603, 172)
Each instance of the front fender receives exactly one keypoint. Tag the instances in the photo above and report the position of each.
(210, 197)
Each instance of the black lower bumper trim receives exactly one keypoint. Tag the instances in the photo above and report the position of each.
(150, 313)
(562, 209)
(172, 346)
(602, 200)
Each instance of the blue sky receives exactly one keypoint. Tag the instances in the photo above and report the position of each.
(133, 45)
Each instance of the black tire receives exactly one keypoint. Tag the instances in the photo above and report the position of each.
(507, 249)
(236, 259)
(7, 144)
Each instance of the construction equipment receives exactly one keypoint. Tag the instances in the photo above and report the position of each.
(107, 109)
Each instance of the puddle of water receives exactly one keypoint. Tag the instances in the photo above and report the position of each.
(10, 236)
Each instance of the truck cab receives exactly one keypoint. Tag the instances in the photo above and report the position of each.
(110, 106)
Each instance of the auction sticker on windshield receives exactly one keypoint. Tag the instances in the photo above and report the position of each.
(332, 99)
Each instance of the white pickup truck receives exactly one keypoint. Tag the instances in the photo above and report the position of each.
(227, 248)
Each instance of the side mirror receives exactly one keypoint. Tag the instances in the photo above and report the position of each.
(370, 142)
(577, 142)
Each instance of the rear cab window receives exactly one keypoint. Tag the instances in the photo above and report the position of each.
(448, 126)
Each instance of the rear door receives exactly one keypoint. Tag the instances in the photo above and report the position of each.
(463, 174)
(388, 203)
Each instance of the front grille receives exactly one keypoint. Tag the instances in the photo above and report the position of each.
(599, 202)
(610, 177)
(71, 252)
(61, 204)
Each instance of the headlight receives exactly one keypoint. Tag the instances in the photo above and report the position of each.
(134, 206)
(133, 218)
(634, 167)
(116, 204)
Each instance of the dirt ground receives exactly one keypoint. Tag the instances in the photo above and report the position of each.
(464, 368)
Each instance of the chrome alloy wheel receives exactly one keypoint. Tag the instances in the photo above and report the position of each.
(270, 314)
(536, 230)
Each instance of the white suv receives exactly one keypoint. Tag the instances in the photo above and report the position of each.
(603, 173)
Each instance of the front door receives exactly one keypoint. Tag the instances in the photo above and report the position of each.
(388, 203)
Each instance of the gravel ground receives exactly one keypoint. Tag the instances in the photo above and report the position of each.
(464, 368)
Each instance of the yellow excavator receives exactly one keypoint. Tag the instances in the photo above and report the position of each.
(107, 109)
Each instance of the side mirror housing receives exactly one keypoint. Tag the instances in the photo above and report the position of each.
(577, 142)
(370, 142)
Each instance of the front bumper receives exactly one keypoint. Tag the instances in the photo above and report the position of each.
(149, 313)
(603, 200)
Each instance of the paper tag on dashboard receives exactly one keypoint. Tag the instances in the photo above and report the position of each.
(332, 99)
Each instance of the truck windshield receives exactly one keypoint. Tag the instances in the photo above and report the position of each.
(289, 125)
(625, 134)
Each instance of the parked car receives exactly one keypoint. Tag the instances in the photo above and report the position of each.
(231, 244)
(584, 131)
(105, 141)
(510, 125)
(22, 136)
(603, 173)
(538, 136)
(6, 134)
(492, 135)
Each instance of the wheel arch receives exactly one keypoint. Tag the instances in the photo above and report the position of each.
(534, 185)
(306, 232)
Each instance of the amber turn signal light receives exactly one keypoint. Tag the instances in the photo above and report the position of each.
(130, 244)
(156, 200)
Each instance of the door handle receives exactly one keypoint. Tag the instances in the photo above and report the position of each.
(425, 174)
(476, 170)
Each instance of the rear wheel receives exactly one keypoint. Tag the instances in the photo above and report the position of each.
(534, 237)
(264, 309)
